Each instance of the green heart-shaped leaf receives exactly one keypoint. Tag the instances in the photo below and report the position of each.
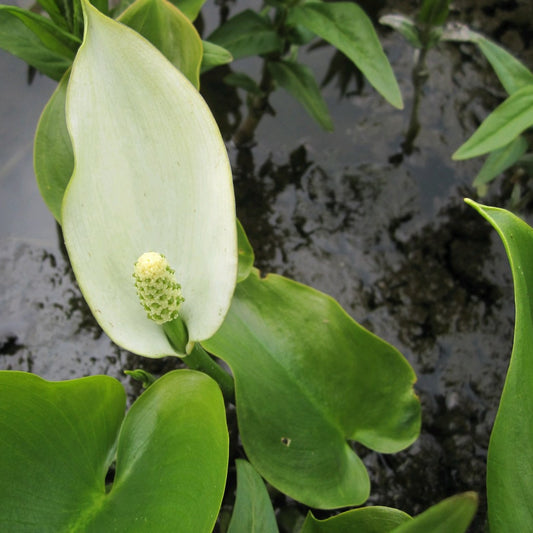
(510, 458)
(151, 174)
(307, 378)
(58, 440)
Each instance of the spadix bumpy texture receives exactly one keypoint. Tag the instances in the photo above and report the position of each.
(158, 290)
(151, 173)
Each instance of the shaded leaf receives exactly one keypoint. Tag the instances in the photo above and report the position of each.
(243, 81)
(348, 28)
(52, 150)
(36, 40)
(434, 12)
(151, 174)
(510, 457)
(499, 161)
(298, 80)
(365, 520)
(405, 26)
(247, 34)
(246, 254)
(502, 126)
(307, 378)
(214, 56)
(170, 31)
(253, 512)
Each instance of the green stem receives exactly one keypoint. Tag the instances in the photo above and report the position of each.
(199, 359)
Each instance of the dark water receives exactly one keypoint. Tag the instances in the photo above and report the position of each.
(385, 232)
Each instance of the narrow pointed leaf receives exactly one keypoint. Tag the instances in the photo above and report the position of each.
(52, 150)
(57, 441)
(434, 12)
(36, 40)
(512, 74)
(253, 512)
(348, 28)
(247, 34)
(151, 174)
(452, 515)
(298, 80)
(503, 125)
(365, 520)
(170, 31)
(307, 378)
(510, 458)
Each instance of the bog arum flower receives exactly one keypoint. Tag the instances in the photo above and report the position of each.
(151, 173)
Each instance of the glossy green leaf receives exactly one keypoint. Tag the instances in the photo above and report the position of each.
(246, 254)
(499, 161)
(452, 515)
(170, 31)
(503, 125)
(348, 28)
(151, 174)
(247, 34)
(52, 150)
(510, 457)
(58, 440)
(36, 40)
(298, 80)
(307, 378)
(364, 520)
(405, 26)
(253, 512)
(214, 56)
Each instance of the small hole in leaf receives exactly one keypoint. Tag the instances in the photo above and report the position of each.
(285, 441)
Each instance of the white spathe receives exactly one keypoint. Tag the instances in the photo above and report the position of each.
(151, 174)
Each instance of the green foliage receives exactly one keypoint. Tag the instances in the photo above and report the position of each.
(170, 31)
(307, 378)
(171, 454)
(503, 125)
(298, 80)
(364, 520)
(346, 26)
(253, 512)
(452, 515)
(246, 254)
(37, 40)
(510, 458)
(52, 150)
(498, 161)
(433, 12)
(247, 34)
(214, 56)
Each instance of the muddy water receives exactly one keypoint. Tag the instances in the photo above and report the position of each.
(351, 213)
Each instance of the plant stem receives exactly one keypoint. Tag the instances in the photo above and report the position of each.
(200, 360)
